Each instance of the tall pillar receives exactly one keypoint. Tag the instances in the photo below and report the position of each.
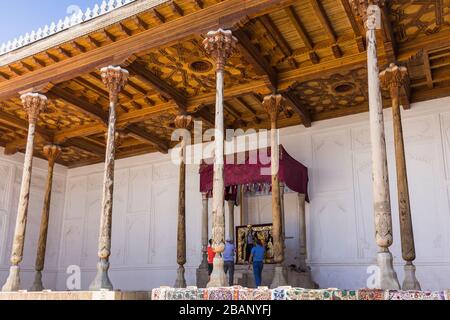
(202, 271)
(182, 122)
(231, 219)
(283, 217)
(370, 12)
(220, 45)
(393, 78)
(273, 104)
(33, 104)
(115, 79)
(52, 153)
(205, 232)
(302, 232)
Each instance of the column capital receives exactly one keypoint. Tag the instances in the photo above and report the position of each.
(34, 104)
(183, 121)
(394, 77)
(273, 104)
(52, 153)
(220, 45)
(366, 10)
(115, 79)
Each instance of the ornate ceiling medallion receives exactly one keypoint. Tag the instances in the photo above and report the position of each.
(201, 66)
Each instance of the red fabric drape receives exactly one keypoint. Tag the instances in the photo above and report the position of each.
(253, 167)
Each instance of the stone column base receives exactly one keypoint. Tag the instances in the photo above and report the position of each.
(279, 278)
(218, 276)
(181, 281)
(410, 281)
(37, 284)
(303, 280)
(101, 280)
(202, 277)
(387, 276)
(13, 282)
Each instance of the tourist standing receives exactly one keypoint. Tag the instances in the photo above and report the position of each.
(228, 258)
(211, 256)
(249, 243)
(257, 257)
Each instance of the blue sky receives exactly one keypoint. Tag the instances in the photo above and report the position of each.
(18, 17)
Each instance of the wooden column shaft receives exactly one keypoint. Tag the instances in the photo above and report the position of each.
(273, 105)
(52, 153)
(393, 78)
(182, 122)
(381, 196)
(114, 79)
(33, 104)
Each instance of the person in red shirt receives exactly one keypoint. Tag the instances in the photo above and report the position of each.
(211, 256)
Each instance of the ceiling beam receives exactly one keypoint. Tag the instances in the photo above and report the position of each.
(276, 35)
(427, 69)
(81, 105)
(324, 21)
(224, 14)
(142, 135)
(15, 122)
(256, 59)
(354, 23)
(203, 114)
(326, 24)
(302, 33)
(139, 70)
(390, 43)
(299, 108)
(85, 145)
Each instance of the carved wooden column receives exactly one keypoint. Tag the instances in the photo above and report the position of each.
(370, 12)
(182, 122)
(220, 45)
(283, 217)
(302, 232)
(393, 78)
(231, 219)
(33, 104)
(205, 232)
(202, 271)
(52, 153)
(273, 105)
(114, 78)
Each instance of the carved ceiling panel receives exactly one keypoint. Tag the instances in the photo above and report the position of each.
(414, 18)
(186, 67)
(338, 91)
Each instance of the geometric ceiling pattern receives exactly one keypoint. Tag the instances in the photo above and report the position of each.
(312, 52)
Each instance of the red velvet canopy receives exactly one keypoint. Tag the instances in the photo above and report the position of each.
(254, 168)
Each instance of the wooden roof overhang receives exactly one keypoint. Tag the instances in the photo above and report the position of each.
(311, 51)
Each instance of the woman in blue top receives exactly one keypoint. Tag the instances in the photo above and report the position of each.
(257, 257)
